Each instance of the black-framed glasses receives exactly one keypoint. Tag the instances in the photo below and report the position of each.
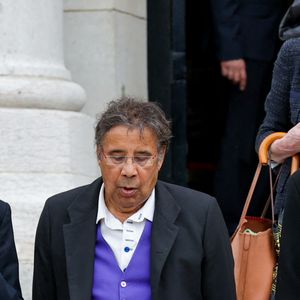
(138, 160)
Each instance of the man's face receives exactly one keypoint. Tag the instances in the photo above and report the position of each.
(128, 185)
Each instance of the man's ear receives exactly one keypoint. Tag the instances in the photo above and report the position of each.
(161, 156)
(98, 152)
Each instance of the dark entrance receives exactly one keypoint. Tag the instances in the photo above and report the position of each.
(183, 75)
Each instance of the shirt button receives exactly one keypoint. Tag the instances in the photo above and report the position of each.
(123, 284)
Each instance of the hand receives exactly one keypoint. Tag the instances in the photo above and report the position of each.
(287, 146)
(235, 70)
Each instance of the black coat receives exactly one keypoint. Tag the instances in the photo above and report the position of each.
(9, 266)
(288, 285)
(191, 256)
(247, 29)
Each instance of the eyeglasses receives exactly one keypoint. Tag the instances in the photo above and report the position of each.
(139, 160)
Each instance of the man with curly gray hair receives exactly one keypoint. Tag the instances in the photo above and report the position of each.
(128, 235)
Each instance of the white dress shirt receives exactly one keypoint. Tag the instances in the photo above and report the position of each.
(124, 237)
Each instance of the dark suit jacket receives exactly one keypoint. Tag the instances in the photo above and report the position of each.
(288, 282)
(247, 28)
(191, 256)
(9, 266)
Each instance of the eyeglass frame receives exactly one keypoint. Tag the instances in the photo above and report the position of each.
(151, 158)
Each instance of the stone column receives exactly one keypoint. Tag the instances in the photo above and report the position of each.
(32, 67)
(46, 143)
(106, 48)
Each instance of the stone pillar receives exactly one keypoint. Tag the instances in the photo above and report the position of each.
(46, 143)
(106, 49)
(31, 57)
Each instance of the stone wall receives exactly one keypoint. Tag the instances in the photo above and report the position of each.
(60, 63)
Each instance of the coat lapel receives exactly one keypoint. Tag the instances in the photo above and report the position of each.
(164, 231)
(80, 238)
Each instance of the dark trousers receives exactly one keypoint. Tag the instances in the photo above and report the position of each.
(238, 158)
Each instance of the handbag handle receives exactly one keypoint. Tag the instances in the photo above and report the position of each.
(263, 154)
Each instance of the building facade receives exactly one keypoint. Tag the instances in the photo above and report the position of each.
(61, 62)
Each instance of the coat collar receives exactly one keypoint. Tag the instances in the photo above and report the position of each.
(80, 237)
(164, 231)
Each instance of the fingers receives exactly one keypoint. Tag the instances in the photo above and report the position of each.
(243, 79)
(294, 133)
(235, 71)
(297, 126)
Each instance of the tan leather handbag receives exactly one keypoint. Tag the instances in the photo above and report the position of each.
(253, 244)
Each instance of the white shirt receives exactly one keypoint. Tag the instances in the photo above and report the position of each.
(124, 237)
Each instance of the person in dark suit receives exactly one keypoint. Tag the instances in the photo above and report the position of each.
(288, 278)
(246, 35)
(9, 266)
(128, 235)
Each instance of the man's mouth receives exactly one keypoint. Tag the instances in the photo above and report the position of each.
(128, 191)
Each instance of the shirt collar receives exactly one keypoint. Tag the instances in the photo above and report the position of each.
(145, 212)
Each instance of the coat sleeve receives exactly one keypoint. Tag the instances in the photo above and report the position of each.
(9, 266)
(226, 26)
(277, 105)
(218, 269)
(43, 278)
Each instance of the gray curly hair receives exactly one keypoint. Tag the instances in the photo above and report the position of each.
(134, 114)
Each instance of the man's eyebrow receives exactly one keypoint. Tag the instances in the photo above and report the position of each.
(123, 152)
(116, 151)
(143, 153)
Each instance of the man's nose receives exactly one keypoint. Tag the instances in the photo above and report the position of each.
(129, 168)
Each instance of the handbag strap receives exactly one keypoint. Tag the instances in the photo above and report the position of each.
(249, 198)
(269, 198)
(265, 161)
(271, 192)
(251, 191)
